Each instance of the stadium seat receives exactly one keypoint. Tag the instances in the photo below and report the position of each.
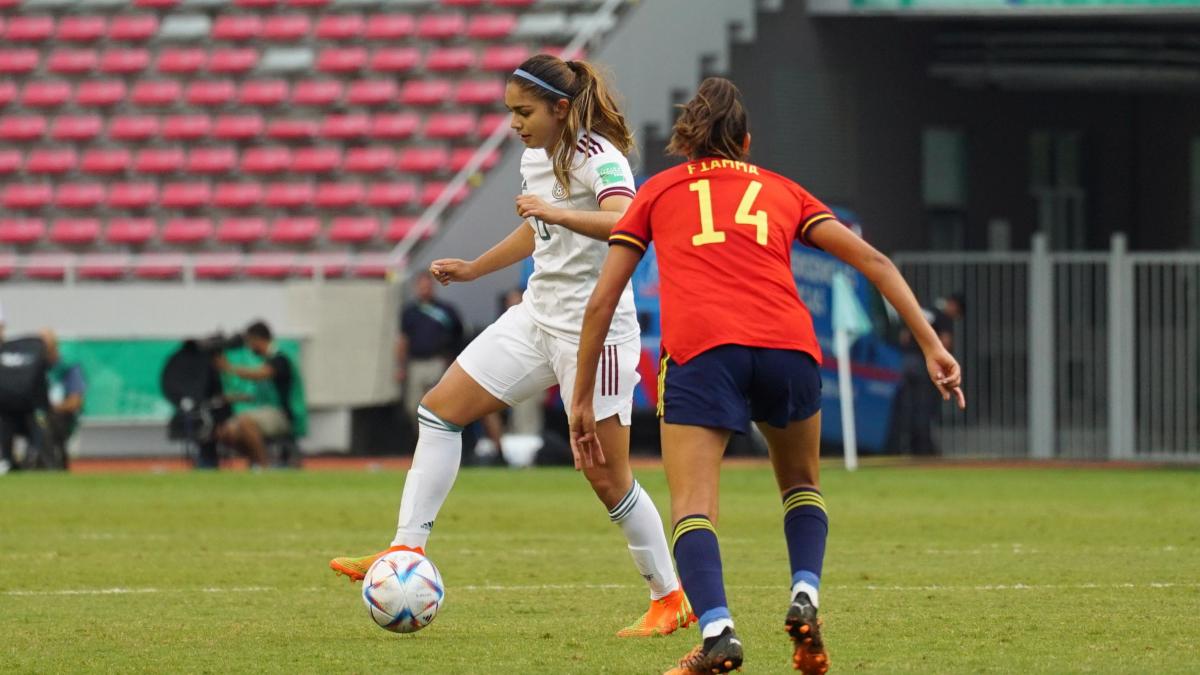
(291, 129)
(255, 4)
(266, 159)
(133, 127)
(47, 266)
(294, 230)
(263, 93)
(237, 127)
(287, 60)
(289, 195)
(76, 127)
(210, 92)
(45, 93)
(541, 26)
(158, 160)
(156, 4)
(340, 26)
(21, 230)
(186, 195)
(450, 59)
(75, 231)
(81, 28)
(132, 27)
(318, 159)
(8, 265)
(159, 265)
(105, 266)
(342, 59)
(395, 59)
(503, 58)
(371, 92)
(237, 27)
(238, 195)
(26, 195)
(156, 92)
(491, 26)
(72, 61)
(50, 161)
(124, 61)
(462, 3)
(79, 195)
(329, 264)
(339, 195)
(370, 160)
(391, 195)
(270, 265)
(180, 60)
(186, 127)
(140, 195)
(100, 93)
(333, 126)
(22, 127)
(372, 265)
(423, 160)
(286, 27)
(432, 190)
(216, 265)
(425, 92)
(307, 3)
(317, 92)
(133, 231)
(460, 157)
(513, 3)
(29, 28)
(102, 161)
(212, 160)
(353, 229)
(479, 92)
(185, 27)
(233, 60)
(241, 230)
(398, 228)
(18, 61)
(8, 92)
(491, 122)
(10, 160)
(450, 125)
(387, 27)
(187, 230)
(440, 26)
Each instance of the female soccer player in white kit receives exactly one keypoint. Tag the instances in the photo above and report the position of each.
(577, 184)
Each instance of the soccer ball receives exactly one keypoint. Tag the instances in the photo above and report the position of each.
(403, 591)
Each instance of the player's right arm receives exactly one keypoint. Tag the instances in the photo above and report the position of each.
(512, 249)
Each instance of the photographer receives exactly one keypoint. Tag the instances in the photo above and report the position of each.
(273, 417)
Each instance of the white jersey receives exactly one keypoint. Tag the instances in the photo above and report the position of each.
(567, 264)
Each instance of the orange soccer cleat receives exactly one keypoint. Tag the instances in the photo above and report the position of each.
(722, 655)
(356, 568)
(665, 616)
(808, 649)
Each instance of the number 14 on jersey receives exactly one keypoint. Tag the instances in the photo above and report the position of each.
(709, 234)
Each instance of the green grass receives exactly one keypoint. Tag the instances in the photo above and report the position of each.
(928, 570)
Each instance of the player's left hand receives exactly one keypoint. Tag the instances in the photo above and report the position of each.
(585, 444)
(946, 376)
(532, 206)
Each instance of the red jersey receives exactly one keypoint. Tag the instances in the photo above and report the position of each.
(723, 232)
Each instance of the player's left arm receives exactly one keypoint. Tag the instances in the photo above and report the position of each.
(592, 224)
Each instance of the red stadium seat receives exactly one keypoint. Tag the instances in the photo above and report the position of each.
(450, 125)
(10, 160)
(181, 60)
(492, 121)
(308, 3)
(187, 230)
(76, 127)
(340, 26)
(460, 157)
(423, 160)
(238, 195)
(289, 195)
(329, 264)
(441, 26)
(124, 61)
(215, 160)
(270, 265)
(79, 195)
(479, 92)
(343, 126)
(105, 161)
(46, 93)
(238, 127)
(8, 265)
(141, 195)
(156, 4)
(81, 28)
(216, 265)
(286, 27)
(503, 58)
(341, 59)
(371, 92)
(159, 265)
(8, 92)
(425, 92)
(132, 27)
(431, 191)
(233, 60)
(294, 230)
(186, 195)
(158, 160)
(268, 159)
(241, 230)
(157, 92)
(210, 92)
(133, 127)
(186, 127)
(26, 195)
(491, 26)
(237, 27)
(257, 4)
(290, 129)
(29, 28)
(450, 59)
(22, 127)
(21, 230)
(395, 59)
(48, 265)
(317, 92)
(18, 61)
(263, 92)
(320, 159)
(372, 265)
(391, 195)
(75, 231)
(339, 195)
(72, 61)
(50, 161)
(130, 230)
(353, 229)
(390, 27)
(370, 160)
(102, 265)
(398, 228)
(100, 93)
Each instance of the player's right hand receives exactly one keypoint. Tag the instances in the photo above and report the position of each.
(447, 270)
(946, 376)
(585, 443)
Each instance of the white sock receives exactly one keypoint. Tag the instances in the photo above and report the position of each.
(643, 530)
(807, 588)
(715, 628)
(434, 468)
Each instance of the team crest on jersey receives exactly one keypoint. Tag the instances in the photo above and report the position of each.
(559, 191)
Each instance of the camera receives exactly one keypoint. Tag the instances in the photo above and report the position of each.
(192, 385)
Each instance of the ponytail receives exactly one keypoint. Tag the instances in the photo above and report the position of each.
(713, 124)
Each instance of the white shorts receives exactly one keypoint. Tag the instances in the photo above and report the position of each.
(515, 359)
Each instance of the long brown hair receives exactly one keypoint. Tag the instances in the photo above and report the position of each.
(593, 106)
(713, 124)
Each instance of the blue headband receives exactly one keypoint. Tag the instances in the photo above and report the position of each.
(540, 82)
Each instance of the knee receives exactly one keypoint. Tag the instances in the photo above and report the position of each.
(609, 487)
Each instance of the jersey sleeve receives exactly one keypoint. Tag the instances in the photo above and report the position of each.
(633, 230)
(608, 175)
(812, 211)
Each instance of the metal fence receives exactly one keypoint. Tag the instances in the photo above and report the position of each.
(1071, 355)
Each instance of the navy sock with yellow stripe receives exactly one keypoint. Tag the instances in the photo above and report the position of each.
(805, 525)
(698, 557)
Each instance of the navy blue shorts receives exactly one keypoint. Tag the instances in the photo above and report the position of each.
(730, 385)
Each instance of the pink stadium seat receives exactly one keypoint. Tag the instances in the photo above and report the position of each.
(431, 191)
(124, 61)
(263, 93)
(210, 92)
(423, 160)
(270, 265)
(29, 28)
(395, 59)
(158, 160)
(241, 230)
(343, 126)
(491, 26)
(186, 127)
(425, 92)
(10, 160)
(328, 264)
(286, 27)
(21, 230)
(214, 160)
(320, 159)
(266, 159)
(289, 195)
(291, 129)
(132, 27)
(391, 195)
(133, 127)
(460, 157)
(156, 92)
(257, 4)
(370, 160)
(17, 61)
(159, 265)
(441, 26)
(140, 195)
(50, 161)
(187, 230)
(181, 60)
(22, 127)
(103, 161)
(307, 3)
(72, 61)
(450, 59)
(185, 195)
(341, 59)
(339, 195)
(130, 230)
(238, 127)
(479, 92)
(46, 93)
(233, 60)
(371, 92)
(462, 3)
(317, 92)
(450, 125)
(76, 127)
(100, 93)
(503, 58)
(81, 28)
(80, 195)
(340, 26)
(294, 230)
(156, 4)
(372, 265)
(238, 195)
(216, 265)
(75, 231)
(390, 26)
(398, 228)
(8, 92)
(48, 266)
(26, 195)
(237, 27)
(102, 265)
(492, 121)
(353, 229)
(8, 265)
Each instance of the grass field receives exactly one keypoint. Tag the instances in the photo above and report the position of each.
(955, 570)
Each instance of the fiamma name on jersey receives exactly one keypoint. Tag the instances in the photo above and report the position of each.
(711, 164)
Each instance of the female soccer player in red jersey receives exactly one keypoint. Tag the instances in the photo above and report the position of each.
(738, 346)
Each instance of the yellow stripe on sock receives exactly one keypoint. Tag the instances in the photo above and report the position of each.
(691, 525)
(804, 499)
